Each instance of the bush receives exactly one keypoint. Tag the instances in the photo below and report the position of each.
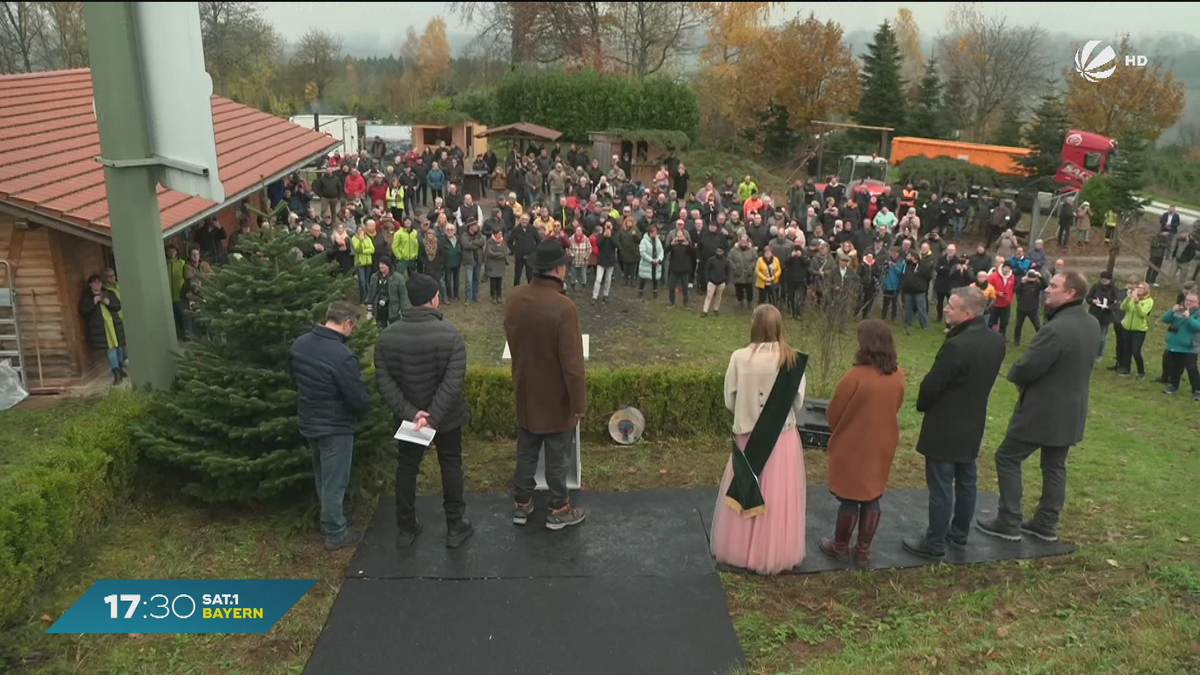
(63, 492)
(676, 401)
(582, 101)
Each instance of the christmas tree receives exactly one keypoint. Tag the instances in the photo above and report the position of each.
(883, 87)
(228, 426)
(926, 119)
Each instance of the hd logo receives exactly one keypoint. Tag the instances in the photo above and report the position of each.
(1094, 68)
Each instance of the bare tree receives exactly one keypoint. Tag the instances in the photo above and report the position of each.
(515, 29)
(22, 36)
(996, 62)
(65, 38)
(239, 45)
(318, 58)
(827, 338)
(650, 34)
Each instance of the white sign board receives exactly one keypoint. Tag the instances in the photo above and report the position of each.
(178, 96)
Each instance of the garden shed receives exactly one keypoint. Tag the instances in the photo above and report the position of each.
(642, 151)
(54, 219)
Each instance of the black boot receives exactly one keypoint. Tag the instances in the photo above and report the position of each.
(458, 530)
(116, 376)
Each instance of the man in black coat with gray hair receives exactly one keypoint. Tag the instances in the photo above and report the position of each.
(954, 397)
(421, 362)
(1052, 379)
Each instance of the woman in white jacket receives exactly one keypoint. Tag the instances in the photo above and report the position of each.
(758, 523)
(650, 268)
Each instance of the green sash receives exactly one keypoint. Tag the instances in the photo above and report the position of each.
(745, 493)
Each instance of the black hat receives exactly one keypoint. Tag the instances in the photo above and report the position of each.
(421, 289)
(1106, 275)
(549, 255)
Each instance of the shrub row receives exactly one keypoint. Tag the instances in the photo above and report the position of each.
(61, 493)
(676, 401)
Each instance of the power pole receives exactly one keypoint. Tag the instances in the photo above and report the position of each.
(131, 186)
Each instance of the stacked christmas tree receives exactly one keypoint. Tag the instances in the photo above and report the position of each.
(228, 427)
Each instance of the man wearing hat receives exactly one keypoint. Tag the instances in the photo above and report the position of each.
(549, 383)
(421, 362)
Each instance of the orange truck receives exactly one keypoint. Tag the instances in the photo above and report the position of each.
(999, 157)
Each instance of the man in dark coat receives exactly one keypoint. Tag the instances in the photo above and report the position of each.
(420, 363)
(331, 396)
(549, 384)
(1052, 378)
(954, 397)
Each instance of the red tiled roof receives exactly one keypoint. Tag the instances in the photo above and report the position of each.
(49, 141)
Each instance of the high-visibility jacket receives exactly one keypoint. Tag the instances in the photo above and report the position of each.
(364, 250)
(395, 198)
(175, 274)
(908, 198)
(404, 245)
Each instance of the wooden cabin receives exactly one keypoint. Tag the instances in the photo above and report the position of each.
(464, 134)
(641, 158)
(54, 226)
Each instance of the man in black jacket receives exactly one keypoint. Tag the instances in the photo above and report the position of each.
(522, 241)
(331, 188)
(1053, 377)
(918, 272)
(711, 239)
(1102, 304)
(717, 271)
(954, 397)
(1029, 298)
(331, 396)
(421, 362)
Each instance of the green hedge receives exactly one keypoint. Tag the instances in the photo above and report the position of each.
(581, 101)
(62, 492)
(676, 401)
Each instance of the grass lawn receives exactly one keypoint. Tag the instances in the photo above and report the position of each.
(23, 427)
(1128, 601)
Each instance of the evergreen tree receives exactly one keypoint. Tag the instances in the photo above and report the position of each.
(228, 426)
(1127, 173)
(882, 102)
(926, 119)
(1044, 136)
(954, 106)
(1008, 133)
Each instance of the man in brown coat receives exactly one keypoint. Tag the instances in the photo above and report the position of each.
(549, 383)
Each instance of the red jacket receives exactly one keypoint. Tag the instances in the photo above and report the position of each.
(355, 185)
(378, 192)
(1004, 289)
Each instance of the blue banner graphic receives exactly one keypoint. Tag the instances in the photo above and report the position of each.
(182, 606)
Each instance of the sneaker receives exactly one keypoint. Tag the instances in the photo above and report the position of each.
(564, 517)
(1141, 376)
(351, 538)
(1038, 531)
(703, 315)
(993, 528)
(959, 546)
(458, 532)
(405, 538)
(919, 548)
(1171, 390)
(1196, 396)
(521, 512)
(716, 312)
(1122, 373)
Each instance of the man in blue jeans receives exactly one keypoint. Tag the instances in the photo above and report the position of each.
(954, 398)
(331, 397)
(918, 272)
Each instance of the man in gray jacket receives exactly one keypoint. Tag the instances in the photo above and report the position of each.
(421, 362)
(1052, 379)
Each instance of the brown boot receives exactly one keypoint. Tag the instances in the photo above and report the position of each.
(866, 533)
(838, 548)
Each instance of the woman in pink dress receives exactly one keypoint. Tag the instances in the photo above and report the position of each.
(759, 519)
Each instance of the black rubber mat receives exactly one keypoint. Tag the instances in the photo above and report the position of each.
(652, 533)
(585, 626)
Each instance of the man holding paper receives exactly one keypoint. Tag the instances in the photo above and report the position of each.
(421, 362)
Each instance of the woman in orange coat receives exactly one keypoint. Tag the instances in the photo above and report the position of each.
(866, 430)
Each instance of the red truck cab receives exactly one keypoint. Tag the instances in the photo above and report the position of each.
(1084, 154)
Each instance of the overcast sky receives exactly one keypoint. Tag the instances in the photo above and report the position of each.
(381, 26)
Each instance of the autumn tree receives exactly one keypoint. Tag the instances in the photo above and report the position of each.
(997, 64)
(516, 30)
(908, 40)
(1148, 96)
(731, 26)
(883, 99)
(241, 51)
(926, 118)
(318, 58)
(1044, 136)
(433, 60)
(766, 74)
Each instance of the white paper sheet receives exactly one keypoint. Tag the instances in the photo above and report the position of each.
(409, 433)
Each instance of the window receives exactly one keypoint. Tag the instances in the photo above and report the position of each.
(1091, 161)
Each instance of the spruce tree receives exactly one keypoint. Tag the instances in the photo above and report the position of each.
(926, 120)
(228, 426)
(1008, 132)
(1127, 172)
(1044, 136)
(954, 106)
(882, 102)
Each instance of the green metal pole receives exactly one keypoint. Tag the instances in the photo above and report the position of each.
(132, 198)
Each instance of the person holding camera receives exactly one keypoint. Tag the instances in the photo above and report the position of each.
(1137, 306)
(1183, 343)
(918, 272)
(951, 272)
(1005, 282)
(1028, 292)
